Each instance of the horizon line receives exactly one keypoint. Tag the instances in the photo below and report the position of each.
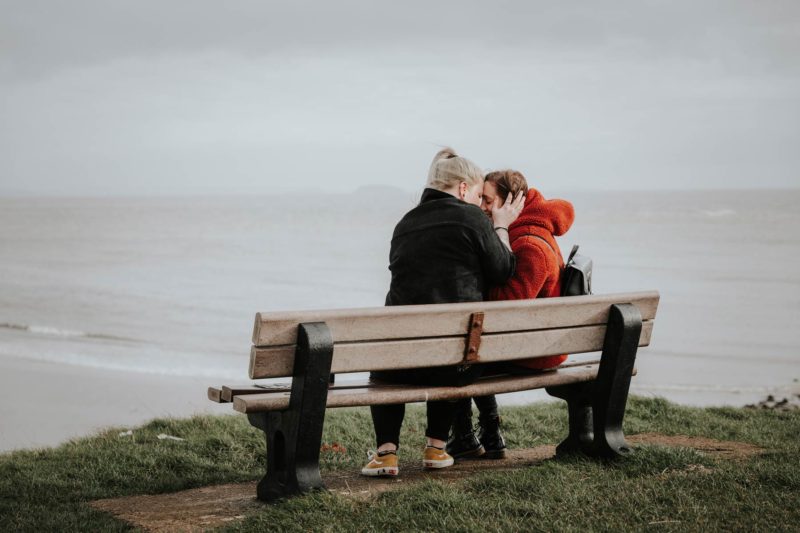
(365, 189)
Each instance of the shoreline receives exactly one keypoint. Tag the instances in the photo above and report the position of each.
(44, 404)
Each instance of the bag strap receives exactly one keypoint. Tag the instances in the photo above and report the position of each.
(572, 253)
(560, 265)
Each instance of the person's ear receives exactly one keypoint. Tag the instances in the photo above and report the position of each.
(462, 189)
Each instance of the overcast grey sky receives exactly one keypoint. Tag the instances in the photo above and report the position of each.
(208, 97)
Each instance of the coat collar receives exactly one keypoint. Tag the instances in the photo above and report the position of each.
(428, 195)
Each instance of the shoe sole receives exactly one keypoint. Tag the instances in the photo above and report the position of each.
(388, 471)
(439, 463)
(470, 454)
(494, 454)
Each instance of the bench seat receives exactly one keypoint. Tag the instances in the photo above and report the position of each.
(254, 399)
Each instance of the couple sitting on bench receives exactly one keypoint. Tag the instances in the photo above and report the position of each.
(472, 237)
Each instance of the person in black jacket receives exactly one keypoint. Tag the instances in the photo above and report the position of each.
(445, 250)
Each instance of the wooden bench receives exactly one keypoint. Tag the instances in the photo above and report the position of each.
(312, 346)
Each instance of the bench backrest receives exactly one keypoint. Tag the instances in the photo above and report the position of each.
(413, 336)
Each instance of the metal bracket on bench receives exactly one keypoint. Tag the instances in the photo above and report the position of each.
(471, 352)
(596, 408)
(294, 436)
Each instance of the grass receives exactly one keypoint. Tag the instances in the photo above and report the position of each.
(658, 488)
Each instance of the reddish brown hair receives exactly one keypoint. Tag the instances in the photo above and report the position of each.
(508, 181)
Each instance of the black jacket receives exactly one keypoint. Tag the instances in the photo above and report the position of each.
(444, 251)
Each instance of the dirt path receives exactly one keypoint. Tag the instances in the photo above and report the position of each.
(206, 507)
(717, 448)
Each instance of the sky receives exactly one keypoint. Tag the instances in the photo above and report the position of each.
(121, 97)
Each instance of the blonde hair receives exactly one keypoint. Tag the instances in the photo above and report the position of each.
(448, 169)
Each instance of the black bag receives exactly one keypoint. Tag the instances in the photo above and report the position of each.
(576, 278)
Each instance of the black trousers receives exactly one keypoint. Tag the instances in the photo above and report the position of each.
(487, 405)
(387, 419)
(487, 408)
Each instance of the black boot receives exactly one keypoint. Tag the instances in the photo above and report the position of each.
(463, 443)
(489, 434)
(491, 438)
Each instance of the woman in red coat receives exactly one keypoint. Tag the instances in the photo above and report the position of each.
(538, 275)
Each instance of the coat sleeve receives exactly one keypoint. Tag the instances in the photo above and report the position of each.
(497, 261)
(528, 278)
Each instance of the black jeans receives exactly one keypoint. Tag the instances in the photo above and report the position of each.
(487, 408)
(487, 405)
(387, 419)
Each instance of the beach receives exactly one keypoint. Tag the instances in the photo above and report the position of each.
(47, 403)
(115, 311)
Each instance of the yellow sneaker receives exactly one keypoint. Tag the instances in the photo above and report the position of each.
(381, 464)
(436, 458)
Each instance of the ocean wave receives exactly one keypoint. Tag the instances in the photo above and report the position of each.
(149, 362)
(716, 213)
(64, 333)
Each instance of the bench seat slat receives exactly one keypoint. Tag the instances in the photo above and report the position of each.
(367, 395)
(416, 321)
(229, 391)
(226, 394)
(387, 355)
(215, 395)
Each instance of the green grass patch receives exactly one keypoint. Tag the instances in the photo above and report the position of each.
(663, 488)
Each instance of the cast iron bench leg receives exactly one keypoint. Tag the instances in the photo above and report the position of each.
(294, 436)
(579, 407)
(610, 390)
(596, 408)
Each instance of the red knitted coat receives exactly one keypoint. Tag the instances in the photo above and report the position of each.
(538, 273)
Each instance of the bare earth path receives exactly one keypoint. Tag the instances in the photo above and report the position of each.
(206, 507)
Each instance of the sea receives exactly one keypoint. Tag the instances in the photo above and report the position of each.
(170, 286)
